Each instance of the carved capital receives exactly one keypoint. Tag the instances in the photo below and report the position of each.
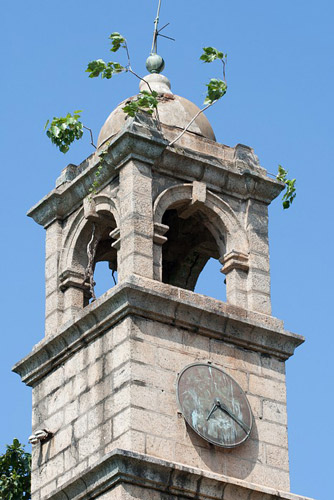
(159, 231)
(73, 279)
(115, 234)
(234, 260)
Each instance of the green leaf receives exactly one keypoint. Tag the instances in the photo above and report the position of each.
(63, 131)
(290, 187)
(95, 68)
(216, 89)
(15, 472)
(106, 70)
(117, 41)
(210, 54)
(47, 123)
(145, 101)
(131, 108)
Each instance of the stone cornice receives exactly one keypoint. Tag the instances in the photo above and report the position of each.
(220, 175)
(231, 170)
(161, 303)
(134, 143)
(126, 467)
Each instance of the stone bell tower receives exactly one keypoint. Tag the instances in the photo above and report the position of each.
(105, 376)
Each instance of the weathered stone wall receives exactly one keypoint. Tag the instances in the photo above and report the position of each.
(83, 402)
(120, 392)
(159, 353)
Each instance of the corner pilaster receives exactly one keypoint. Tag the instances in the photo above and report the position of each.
(136, 220)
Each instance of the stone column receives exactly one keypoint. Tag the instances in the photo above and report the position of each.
(53, 296)
(235, 267)
(73, 289)
(159, 239)
(258, 275)
(135, 255)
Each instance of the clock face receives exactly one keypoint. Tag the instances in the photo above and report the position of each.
(214, 405)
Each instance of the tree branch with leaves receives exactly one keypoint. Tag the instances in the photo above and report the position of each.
(15, 472)
(290, 187)
(146, 100)
(216, 87)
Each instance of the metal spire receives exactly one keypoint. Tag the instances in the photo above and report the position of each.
(156, 32)
(155, 63)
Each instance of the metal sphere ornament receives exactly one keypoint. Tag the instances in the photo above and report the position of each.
(155, 63)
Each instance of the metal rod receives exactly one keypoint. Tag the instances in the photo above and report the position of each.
(155, 33)
(169, 37)
(164, 26)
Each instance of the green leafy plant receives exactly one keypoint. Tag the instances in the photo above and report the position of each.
(15, 466)
(210, 54)
(65, 130)
(216, 89)
(290, 191)
(117, 41)
(106, 70)
(96, 183)
(145, 101)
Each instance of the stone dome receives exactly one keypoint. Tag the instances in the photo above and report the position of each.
(174, 111)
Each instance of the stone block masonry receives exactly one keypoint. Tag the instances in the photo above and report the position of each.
(113, 385)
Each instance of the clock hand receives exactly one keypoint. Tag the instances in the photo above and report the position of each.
(214, 408)
(224, 408)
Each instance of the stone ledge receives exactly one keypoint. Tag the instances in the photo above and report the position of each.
(163, 303)
(126, 467)
(239, 176)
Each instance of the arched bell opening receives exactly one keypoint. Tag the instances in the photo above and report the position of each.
(189, 245)
(211, 281)
(101, 261)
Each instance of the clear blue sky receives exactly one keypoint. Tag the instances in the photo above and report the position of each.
(279, 101)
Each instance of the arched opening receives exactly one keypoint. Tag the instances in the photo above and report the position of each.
(104, 277)
(101, 268)
(189, 246)
(211, 281)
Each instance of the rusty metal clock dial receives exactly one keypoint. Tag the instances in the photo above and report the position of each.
(214, 405)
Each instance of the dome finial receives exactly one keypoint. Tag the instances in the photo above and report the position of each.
(155, 63)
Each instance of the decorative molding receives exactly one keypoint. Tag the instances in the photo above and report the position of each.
(140, 141)
(71, 278)
(234, 260)
(198, 198)
(153, 300)
(159, 231)
(115, 234)
(89, 206)
(123, 467)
